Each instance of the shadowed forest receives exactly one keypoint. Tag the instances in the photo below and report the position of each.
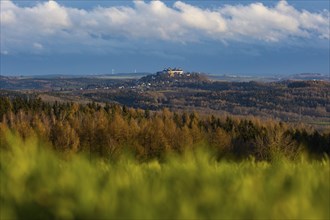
(289, 101)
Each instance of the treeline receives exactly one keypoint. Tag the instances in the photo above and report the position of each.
(110, 129)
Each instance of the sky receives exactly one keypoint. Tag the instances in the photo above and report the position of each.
(264, 38)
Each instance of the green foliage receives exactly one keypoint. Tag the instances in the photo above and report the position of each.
(37, 183)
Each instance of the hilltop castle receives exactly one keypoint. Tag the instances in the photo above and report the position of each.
(173, 72)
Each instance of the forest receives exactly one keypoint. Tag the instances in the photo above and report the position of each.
(66, 160)
(111, 129)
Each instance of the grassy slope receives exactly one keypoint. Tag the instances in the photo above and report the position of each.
(37, 183)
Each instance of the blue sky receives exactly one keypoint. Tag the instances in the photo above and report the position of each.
(219, 37)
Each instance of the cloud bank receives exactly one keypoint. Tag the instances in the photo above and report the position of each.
(49, 26)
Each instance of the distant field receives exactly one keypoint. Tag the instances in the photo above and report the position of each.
(321, 123)
(38, 184)
(122, 76)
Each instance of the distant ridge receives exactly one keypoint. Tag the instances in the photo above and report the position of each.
(308, 76)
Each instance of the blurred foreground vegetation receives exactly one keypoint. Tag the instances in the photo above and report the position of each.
(38, 183)
(74, 161)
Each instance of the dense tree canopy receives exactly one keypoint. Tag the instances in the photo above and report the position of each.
(108, 130)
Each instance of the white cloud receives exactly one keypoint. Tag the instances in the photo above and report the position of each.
(196, 18)
(72, 29)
